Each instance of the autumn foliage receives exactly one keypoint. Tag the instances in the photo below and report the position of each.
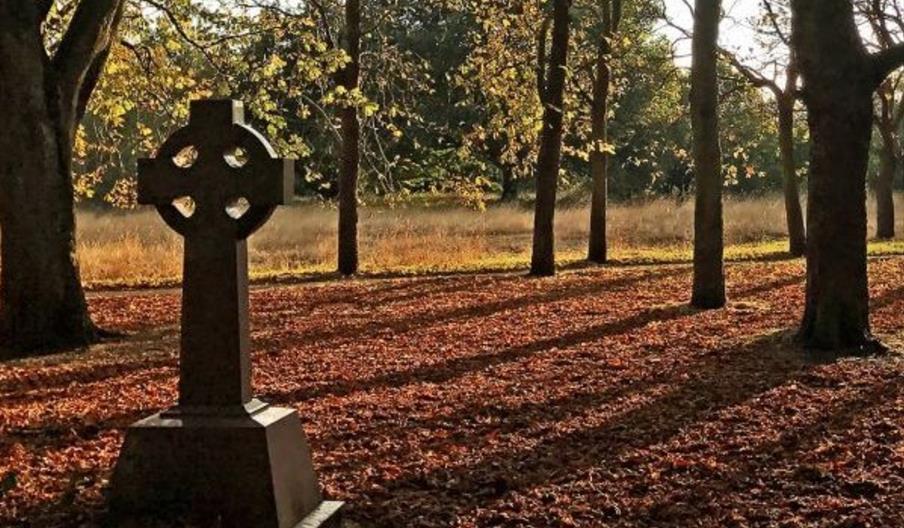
(594, 399)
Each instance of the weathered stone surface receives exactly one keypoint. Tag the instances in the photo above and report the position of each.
(214, 362)
(239, 471)
(220, 457)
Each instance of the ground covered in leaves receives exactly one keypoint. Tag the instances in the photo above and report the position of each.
(596, 398)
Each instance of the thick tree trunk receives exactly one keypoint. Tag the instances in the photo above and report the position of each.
(709, 276)
(838, 86)
(543, 262)
(42, 304)
(793, 212)
(351, 138)
(885, 199)
(599, 159)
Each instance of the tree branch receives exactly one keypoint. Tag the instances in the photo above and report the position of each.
(177, 26)
(773, 20)
(82, 51)
(886, 61)
(754, 78)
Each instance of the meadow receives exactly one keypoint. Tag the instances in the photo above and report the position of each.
(135, 249)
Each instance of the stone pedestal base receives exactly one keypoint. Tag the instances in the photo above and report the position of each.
(241, 471)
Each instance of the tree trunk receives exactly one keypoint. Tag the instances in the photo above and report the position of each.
(351, 137)
(42, 305)
(599, 158)
(885, 199)
(709, 276)
(838, 88)
(793, 213)
(543, 261)
(509, 183)
(41, 300)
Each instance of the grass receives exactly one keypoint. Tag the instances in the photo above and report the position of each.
(135, 249)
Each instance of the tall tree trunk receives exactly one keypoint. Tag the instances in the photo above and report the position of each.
(709, 276)
(793, 211)
(885, 198)
(351, 137)
(543, 260)
(599, 158)
(42, 304)
(838, 86)
(597, 250)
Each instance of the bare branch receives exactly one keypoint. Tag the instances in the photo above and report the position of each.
(177, 25)
(773, 19)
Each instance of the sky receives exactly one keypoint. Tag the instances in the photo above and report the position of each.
(734, 34)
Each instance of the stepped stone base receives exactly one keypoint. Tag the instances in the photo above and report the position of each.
(230, 470)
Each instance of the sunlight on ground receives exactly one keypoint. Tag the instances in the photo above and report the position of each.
(598, 398)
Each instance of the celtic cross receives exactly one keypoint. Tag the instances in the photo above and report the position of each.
(215, 182)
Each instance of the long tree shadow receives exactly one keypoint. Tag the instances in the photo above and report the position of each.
(58, 434)
(723, 379)
(426, 319)
(784, 453)
(399, 291)
(447, 285)
(773, 285)
(145, 351)
(459, 366)
(887, 298)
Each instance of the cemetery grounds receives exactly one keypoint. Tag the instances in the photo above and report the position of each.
(456, 397)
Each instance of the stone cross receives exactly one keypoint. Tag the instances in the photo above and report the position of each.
(215, 182)
(219, 458)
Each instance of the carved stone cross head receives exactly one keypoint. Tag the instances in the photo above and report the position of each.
(215, 176)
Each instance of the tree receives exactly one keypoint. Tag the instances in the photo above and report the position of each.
(888, 119)
(776, 20)
(840, 77)
(599, 136)
(886, 22)
(709, 275)
(504, 95)
(42, 303)
(351, 138)
(552, 84)
(786, 96)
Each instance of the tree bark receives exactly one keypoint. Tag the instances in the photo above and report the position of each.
(839, 80)
(509, 183)
(885, 198)
(543, 259)
(709, 276)
(597, 250)
(42, 304)
(599, 160)
(794, 217)
(351, 138)
(888, 121)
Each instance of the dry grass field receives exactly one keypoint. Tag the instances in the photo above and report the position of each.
(136, 249)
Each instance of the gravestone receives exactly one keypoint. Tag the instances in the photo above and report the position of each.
(219, 457)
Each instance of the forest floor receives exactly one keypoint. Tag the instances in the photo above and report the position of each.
(596, 398)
